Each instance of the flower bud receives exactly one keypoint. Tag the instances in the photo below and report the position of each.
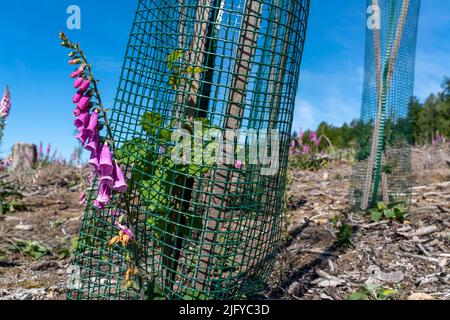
(75, 61)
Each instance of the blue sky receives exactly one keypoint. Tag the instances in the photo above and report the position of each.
(36, 69)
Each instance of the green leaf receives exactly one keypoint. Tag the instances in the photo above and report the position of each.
(156, 192)
(133, 150)
(344, 235)
(388, 293)
(157, 223)
(138, 154)
(205, 123)
(173, 57)
(376, 215)
(151, 121)
(165, 135)
(154, 292)
(358, 296)
(35, 249)
(74, 244)
(193, 70)
(381, 206)
(389, 214)
(189, 294)
(387, 169)
(193, 222)
(194, 170)
(174, 82)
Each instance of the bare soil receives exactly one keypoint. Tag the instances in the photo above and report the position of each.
(409, 258)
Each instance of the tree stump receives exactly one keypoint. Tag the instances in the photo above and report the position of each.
(24, 157)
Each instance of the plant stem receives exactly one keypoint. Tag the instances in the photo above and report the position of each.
(98, 97)
(134, 250)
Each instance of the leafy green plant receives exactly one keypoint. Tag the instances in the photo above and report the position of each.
(305, 152)
(9, 197)
(64, 253)
(344, 232)
(33, 249)
(393, 211)
(179, 71)
(162, 182)
(307, 162)
(369, 292)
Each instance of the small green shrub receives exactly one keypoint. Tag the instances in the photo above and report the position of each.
(369, 292)
(393, 211)
(32, 249)
(9, 197)
(344, 232)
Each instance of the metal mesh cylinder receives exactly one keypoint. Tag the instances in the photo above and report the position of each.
(383, 169)
(211, 230)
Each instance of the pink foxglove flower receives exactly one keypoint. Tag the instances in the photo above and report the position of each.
(91, 178)
(93, 163)
(47, 155)
(84, 102)
(107, 180)
(82, 198)
(41, 151)
(73, 156)
(93, 145)
(318, 141)
(238, 164)
(55, 154)
(78, 82)
(300, 136)
(306, 149)
(77, 72)
(82, 121)
(105, 164)
(104, 195)
(293, 143)
(77, 97)
(85, 85)
(120, 184)
(74, 61)
(82, 135)
(76, 112)
(124, 229)
(5, 104)
(313, 136)
(92, 128)
(114, 213)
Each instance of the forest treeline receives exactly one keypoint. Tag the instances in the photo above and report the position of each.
(429, 122)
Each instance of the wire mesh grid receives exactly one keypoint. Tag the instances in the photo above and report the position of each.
(210, 230)
(383, 172)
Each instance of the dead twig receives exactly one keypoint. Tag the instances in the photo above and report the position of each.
(313, 251)
(375, 224)
(419, 233)
(427, 259)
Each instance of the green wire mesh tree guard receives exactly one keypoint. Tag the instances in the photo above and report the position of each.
(383, 170)
(209, 231)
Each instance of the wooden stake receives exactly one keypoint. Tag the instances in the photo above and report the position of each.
(235, 109)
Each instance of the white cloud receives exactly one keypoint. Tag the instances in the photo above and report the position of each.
(303, 115)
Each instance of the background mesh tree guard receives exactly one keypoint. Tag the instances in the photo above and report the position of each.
(211, 231)
(383, 168)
